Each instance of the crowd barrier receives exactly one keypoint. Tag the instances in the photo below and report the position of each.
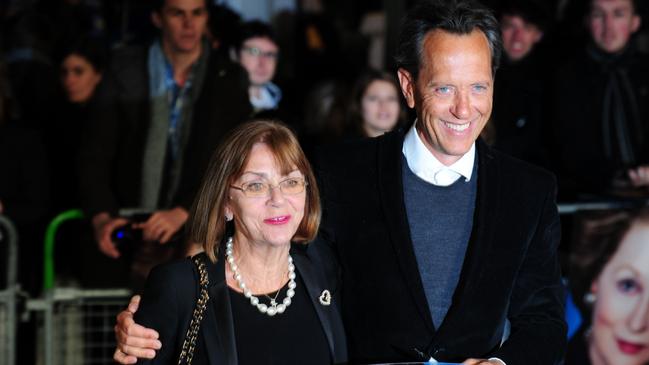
(75, 325)
(9, 291)
(566, 208)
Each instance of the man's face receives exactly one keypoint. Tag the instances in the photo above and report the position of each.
(519, 36)
(259, 57)
(182, 23)
(453, 93)
(611, 23)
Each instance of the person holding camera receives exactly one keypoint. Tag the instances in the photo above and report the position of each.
(158, 114)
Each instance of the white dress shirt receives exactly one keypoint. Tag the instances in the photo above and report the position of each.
(428, 168)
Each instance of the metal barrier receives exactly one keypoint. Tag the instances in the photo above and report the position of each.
(8, 291)
(574, 207)
(75, 325)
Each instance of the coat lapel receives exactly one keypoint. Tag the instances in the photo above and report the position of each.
(218, 329)
(315, 290)
(390, 183)
(481, 241)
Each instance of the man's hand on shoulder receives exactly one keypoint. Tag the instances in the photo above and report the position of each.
(134, 341)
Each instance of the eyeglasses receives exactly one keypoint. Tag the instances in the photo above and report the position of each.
(256, 52)
(257, 189)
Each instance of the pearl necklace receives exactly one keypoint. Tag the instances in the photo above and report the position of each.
(274, 308)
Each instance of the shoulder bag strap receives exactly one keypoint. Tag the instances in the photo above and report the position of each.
(189, 344)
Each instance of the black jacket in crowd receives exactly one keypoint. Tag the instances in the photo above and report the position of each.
(585, 91)
(113, 146)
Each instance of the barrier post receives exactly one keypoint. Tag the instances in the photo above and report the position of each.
(50, 237)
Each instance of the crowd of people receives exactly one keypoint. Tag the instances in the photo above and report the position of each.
(125, 130)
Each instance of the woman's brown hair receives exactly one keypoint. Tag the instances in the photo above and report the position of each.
(206, 222)
(596, 237)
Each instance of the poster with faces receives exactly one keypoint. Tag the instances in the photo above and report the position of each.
(608, 284)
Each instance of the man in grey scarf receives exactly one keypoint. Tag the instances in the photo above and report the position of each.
(600, 106)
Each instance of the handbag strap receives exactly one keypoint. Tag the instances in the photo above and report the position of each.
(189, 344)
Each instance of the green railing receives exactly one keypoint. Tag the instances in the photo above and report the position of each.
(50, 238)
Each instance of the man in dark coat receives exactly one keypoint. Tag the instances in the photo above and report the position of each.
(158, 114)
(600, 116)
(447, 249)
(518, 118)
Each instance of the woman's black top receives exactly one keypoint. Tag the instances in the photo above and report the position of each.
(293, 337)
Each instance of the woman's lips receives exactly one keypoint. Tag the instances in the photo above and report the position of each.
(629, 348)
(282, 219)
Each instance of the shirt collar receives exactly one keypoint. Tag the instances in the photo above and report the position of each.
(428, 168)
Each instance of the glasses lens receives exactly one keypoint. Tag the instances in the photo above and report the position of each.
(253, 51)
(256, 52)
(292, 186)
(256, 189)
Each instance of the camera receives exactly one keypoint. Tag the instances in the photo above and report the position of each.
(125, 238)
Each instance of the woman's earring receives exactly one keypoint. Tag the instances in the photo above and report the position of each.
(228, 217)
(590, 298)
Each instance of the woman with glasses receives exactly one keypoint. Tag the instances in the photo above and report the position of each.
(257, 51)
(270, 298)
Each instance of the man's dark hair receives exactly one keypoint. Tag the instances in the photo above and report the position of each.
(157, 5)
(531, 11)
(253, 29)
(457, 17)
(89, 48)
(635, 4)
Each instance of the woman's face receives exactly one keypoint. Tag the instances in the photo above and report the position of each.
(621, 314)
(380, 107)
(79, 78)
(271, 219)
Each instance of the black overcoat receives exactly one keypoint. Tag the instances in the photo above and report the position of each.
(510, 275)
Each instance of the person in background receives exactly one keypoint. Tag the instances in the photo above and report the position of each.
(81, 67)
(522, 24)
(610, 270)
(81, 70)
(257, 51)
(519, 121)
(600, 121)
(158, 113)
(376, 105)
(447, 248)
